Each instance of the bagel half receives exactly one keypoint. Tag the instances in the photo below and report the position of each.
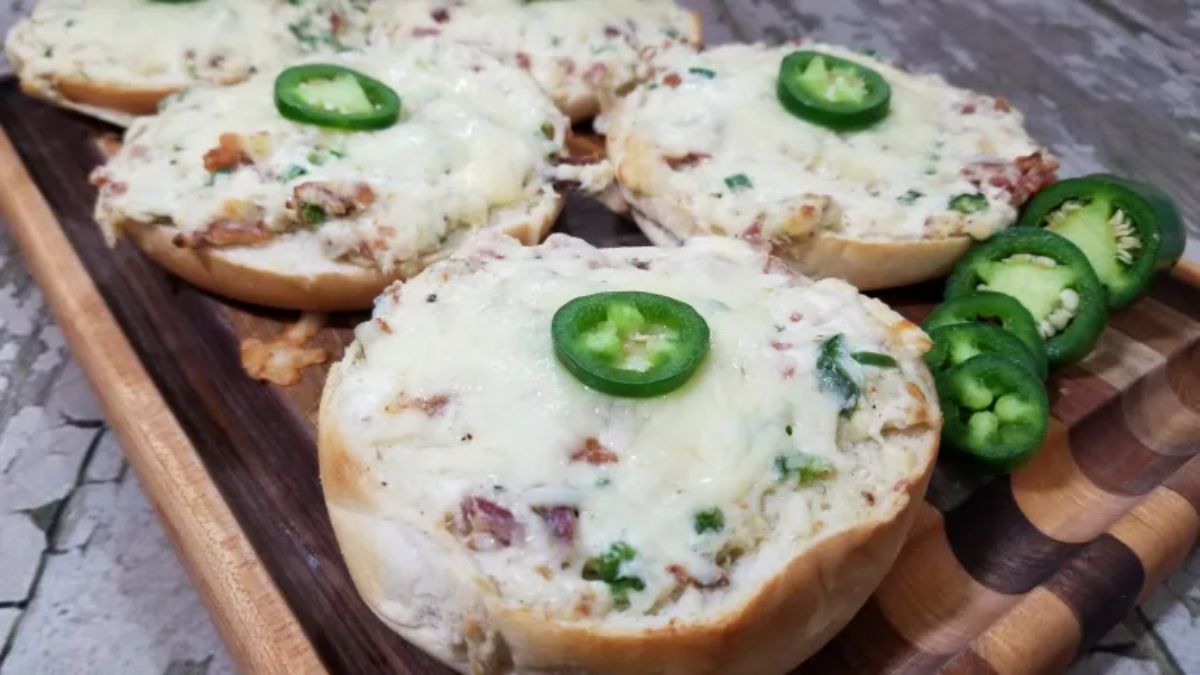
(470, 478)
(117, 59)
(575, 50)
(223, 191)
(704, 146)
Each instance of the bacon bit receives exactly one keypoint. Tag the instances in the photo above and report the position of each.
(425, 31)
(108, 186)
(595, 73)
(228, 155)
(240, 225)
(561, 520)
(1036, 172)
(109, 144)
(440, 15)
(612, 31)
(684, 578)
(641, 264)
(789, 372)
(523, 60)
(333, 197)
(869, 496)
(567, 65)
(796, 317)
(689, 160)
(1023, 178)
(781, 346)
(594, 453)
(1003, 105)
(582, 150)
(383, 325)
(484, 517)
(968, 108)
(432, 406)
(281, 360)
(336, 23)
(672, 80)
(753, 234)
(583, 607)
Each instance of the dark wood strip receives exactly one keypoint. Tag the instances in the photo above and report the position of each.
(868, 645)
(998, 545)
(1076, 394)
(259, 452)
(1100, 585)
(1112, 457)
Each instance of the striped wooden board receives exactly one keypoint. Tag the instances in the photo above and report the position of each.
(1008, 575)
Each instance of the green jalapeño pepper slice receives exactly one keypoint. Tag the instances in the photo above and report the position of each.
(998, 309)
(1050, 276)
(1126, 230)
(328, 95)
(832, 91)
(630, 343)
(959, 342)
(995, 411)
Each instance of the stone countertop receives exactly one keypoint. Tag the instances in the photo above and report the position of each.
(90, 584)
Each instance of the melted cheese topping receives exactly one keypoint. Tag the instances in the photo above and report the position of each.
(474, 147)
(143, 44)
(718, 117)
(453, 392)
(570, 48)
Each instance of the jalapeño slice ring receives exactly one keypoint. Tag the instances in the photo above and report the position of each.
(630, 343)
(329, 95)
(1050, 276)
(959, 342)
(1125, 233)
(832, 91)
(995, 411)
(992, 308)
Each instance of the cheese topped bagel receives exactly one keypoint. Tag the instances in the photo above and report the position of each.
(507, 517)
(119, 58)
(229, 193)
(708, 145)
(573, 49)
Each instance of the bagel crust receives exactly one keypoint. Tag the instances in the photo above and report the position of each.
(704, 146)
(577, 51)
(93, 56)
(466, 519)
(225, 192)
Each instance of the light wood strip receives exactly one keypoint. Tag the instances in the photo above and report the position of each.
(253, 618)
(1039, 635)
(1161, 531)
(930, 599)
(1056, 496)
(1120, 360)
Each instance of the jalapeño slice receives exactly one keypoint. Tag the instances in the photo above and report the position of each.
(991, 308)
(995, 411)
(329, 95)
(832, 91)
(1127, 230)
(959, 342)
(630, 343)
(1050, 276)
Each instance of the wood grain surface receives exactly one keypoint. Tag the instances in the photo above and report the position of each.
(1010, 575)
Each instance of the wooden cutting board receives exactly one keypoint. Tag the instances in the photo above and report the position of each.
(1009, 575)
